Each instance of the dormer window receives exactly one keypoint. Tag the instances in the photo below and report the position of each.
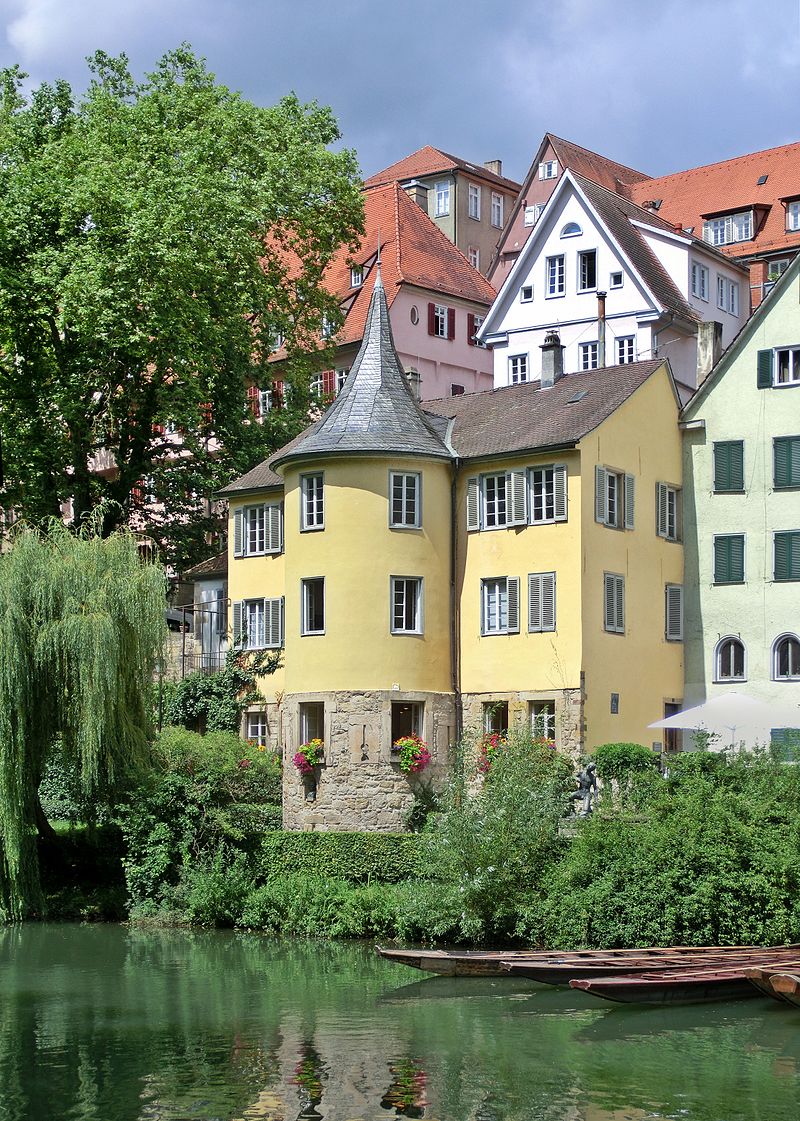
(356, 276)
(729, 228)
(793, 215)
(572, 229)
(548, 169)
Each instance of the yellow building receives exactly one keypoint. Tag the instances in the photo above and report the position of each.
(497, 558)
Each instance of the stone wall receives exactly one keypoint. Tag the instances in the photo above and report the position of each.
(568, 714)
(360, 786)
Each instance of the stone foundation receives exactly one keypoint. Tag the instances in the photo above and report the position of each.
(360, 786)
(568, 714)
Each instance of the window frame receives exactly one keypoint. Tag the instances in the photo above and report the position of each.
(624, 497)
(699, 281)
(542, 615)
(474, 196)
(271, 625)
(615, 604)
(526, 294)
(547, 728)
(440, 317)
(497, 504)
(793, 216)
(585, 256)
(261, 736)
(490, 710)
(555, 284)
(718, 583)
(718, 445)
(668, 511)
(496, 212)
(589, 356)
(400, 585)
(312, 504)
(518, 376)
(625, 347)
(720, 229)
(491, 586)
(442, 198)
(793, 536)
(474, 257)
(548, 169)
(792, 456)
(403, 478)
(617, 272)
(787, 636)
(308, 585)
(356, 276)
(269, 541)
(308, 728)
(793, 366)
(729, 640)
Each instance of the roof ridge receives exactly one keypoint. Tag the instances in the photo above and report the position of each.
(590, 152)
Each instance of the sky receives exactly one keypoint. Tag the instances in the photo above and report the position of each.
(659, 87)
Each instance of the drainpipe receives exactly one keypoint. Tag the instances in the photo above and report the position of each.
(455, 617)
(601, 329)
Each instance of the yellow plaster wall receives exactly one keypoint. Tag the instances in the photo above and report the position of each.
(357, 553)
(519, 662)
(642, 438)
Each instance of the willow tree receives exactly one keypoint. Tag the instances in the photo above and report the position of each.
(81, 631)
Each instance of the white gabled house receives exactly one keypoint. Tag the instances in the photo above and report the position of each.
(618, 284)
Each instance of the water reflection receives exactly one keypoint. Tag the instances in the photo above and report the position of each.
(111, 1024)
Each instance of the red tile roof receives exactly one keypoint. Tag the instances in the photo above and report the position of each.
(728, 186)
(430, 161)
(591, 165)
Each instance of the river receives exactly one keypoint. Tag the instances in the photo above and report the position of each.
(108, 1023)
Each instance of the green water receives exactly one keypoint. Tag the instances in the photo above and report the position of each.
(102, 1023)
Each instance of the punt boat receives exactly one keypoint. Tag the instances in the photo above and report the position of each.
(773, 981)
(686, 985)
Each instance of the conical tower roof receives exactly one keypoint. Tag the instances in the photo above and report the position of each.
(376, 412)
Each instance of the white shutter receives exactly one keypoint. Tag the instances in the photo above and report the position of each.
(662, 516)
(272, 622)
(548, 601)
(516, 497)
(272, 528)
(238, 533)
(236, 611)
(600, 494)
(674, 612)
(619, 582)
(473, 504)
(629, 501)
(560, 491)
(614, 603)
(534, 601)
(513, 604)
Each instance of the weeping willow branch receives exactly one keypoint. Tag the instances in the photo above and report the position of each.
(81, 631)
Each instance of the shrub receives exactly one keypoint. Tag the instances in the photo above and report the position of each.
(214, 702)
(621, 760)
(355, 857)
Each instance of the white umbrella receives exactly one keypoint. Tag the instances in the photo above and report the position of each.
(736, 717)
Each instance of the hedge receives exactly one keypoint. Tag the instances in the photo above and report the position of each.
(356, 857)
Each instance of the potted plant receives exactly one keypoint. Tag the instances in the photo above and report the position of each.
(412, 754)
(308, 756)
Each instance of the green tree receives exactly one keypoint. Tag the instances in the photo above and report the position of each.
(81, 630)
(156, 238)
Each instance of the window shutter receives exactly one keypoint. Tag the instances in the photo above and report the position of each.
(470, 328)
(272, 616)
(629, 501)
(237, 609)
(787, 556)
(451, 323)
(736, 465)
(786, 450)
(278, 395)
(238, 533)
(619, 582)
(662, 515)
(764, 369)
(608, 601)
(473, 504)
(513, 604)
(722, 566)
(329, 383)
(560, 491)
(516, 497)
(674, 612)
(736, 558)
(534, 602)
(548, 601)
(431, 319)
(273, 526)
(252, 400)
(600, 494)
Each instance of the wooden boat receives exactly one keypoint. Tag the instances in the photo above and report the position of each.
(786, 986)
(688, 985)
(761, 976)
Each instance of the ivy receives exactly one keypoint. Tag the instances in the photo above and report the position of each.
(214, 702)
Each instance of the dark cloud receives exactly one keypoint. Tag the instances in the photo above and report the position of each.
(659, 87)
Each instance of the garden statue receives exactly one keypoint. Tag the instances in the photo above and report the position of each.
(587, 790)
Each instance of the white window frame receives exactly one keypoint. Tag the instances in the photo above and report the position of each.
(613, 603)
(787, 636)
(729, 228)
(341, 378)
(442, 189)
(548, 169)
(308, 587)
(584, 256)
(555, 275)
(793, 215)
(792, 365)
(440, 321)
(356, 276)
(532, 214)
(258, 530)
(257, 727)
(311, 720)
(477, 323)
(588, 355)
(668, 512)
(257, 624)
(547, 497)
(543, 723)
(626, 349)
(497, 210)
(315, 385)
(406, 605)
(733, 297)
(499, 605)
(494, 501)
(312, 502)
(474, 201)
(614, 284)
(700, 281)
(264, 401)
(719, 678)
(405, 490)
(474, 257)
(517, 369)
(526, 294)
(614, 498)
(721, 283)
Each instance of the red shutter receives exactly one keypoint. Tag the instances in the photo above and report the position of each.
(471, 328)
(206, 415)
(277, 394)
(328, 383)
(431, 319)
(159, 430)
(451, 323)
(253, 401)
(137, 493)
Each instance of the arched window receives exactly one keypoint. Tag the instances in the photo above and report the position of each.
(786, 658)
(572, 229)
(729, 660)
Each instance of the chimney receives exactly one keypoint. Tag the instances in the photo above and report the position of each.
(601, 329)
(418, 193)
(552, 360)
(709, 348)
(494, 165)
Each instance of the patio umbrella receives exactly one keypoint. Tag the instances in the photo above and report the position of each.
(734, 717)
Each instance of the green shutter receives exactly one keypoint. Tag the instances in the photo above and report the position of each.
(729, 559)
(764, 369)
(785, 744)
(786, 451)
(787, 556)
(729, 466)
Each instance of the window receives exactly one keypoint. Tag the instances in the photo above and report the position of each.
(587, 270)
(456, 390)
(264, 401)
(793, 216)
(405, 489)
(312, 595)
(541, 601)
(543, 719)
(729, 558)
(587, 356)
(493, 489)
(554, 274)
(516, 497)
(497, 210)
(728, 229)
(474, 257)
(787, 555)
(356, 276)
(500, 605)
(257, 728)
(258, 530)
(626, 349)
(614, 498)
(441, 321)
(341, 378)
(532, 214)
(548, 169)
(615, 280)
(406, 605)
(729, 660)
(517, 368)
(787, 366)
(474, 201)
(312, 510)
(257, 623)
(442, 199)
(699, 281)
(729, 467)
(613, 603)
(328, 327)
(316, 385)
(786, 658)
(673, 612)
(786, 462)
(721, 293)
(495, 718)
(548, 494)
(474, 324)
(668, 512)
(572, 229)
(312, 721)
(733, 297)
(406, 719)
(526, 293)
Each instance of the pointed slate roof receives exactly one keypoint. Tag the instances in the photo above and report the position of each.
(376, 412)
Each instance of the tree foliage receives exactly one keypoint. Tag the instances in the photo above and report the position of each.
(155, 239)
(81, 630)
(214, 702)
